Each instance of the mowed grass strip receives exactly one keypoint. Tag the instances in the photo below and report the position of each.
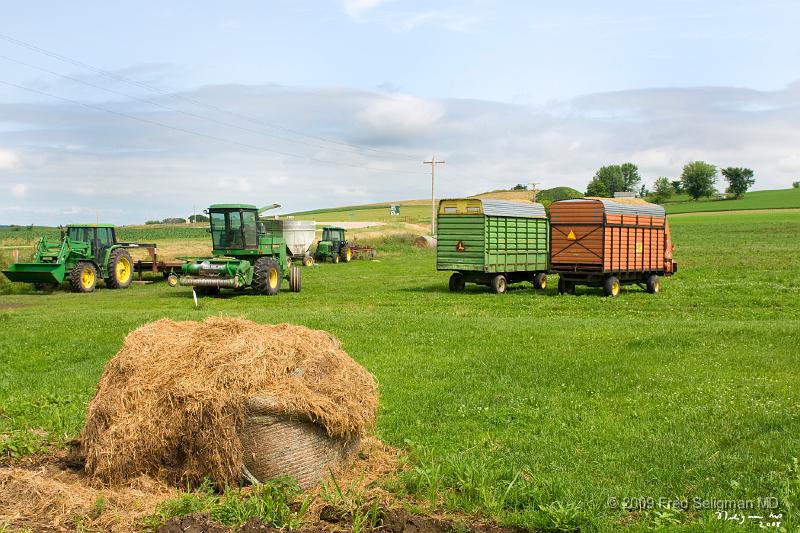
(530, 407)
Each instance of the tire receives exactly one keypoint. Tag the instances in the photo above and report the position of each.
(611, 287)
(456, 282)
(266, 276)
(499, 284)
(172, 279)
(653, 284)
(565, 287)
(295, 283)
(120, 269)
(335, 259)
(308, 261)
(83, 278)
(540, 281)
(347, 254)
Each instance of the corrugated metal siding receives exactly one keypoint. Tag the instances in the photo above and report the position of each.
(515, 244)
(468, 229)
(620, 208)
(504, 208)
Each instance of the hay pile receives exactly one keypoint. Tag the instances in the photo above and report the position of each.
(171, 402)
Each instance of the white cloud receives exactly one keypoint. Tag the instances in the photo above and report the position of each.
(8, 159)
(139, 171)
(19, 190)
(356, 8)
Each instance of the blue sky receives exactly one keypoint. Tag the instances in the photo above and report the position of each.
(507, 92)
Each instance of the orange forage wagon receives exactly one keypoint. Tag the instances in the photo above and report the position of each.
(609, 242)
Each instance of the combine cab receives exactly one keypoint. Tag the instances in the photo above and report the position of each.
(84, 254)
(245, 254)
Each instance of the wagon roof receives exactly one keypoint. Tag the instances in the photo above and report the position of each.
(506, 208)
(623, 208)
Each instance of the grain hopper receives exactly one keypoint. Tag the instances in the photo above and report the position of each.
(299, 236)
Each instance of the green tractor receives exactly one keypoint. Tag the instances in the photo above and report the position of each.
(333, 246)
(245, 254)
(84, 253)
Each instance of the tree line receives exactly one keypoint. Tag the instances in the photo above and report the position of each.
(697, 180)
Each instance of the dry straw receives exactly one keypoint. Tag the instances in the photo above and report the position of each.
(170, 404)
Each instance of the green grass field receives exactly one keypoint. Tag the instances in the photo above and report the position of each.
(777, 199)
(529, 407)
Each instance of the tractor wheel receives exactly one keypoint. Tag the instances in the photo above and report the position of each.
(83, 278)
(499, 284)
(120, 269)
(347, 255)
(456, 282)
(540, 281)
(308, 261)
(294, 279)
(172, 279)
(653, 284)
(335, 259)
(611, 287)
(266, 276)
(565, 287)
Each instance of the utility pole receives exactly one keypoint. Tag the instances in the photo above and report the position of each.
(433, 162)
(532, 186)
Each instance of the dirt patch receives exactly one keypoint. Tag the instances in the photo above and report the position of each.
(8, 305)
(171, 403)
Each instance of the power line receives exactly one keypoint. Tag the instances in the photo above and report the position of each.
(172, 109)
(152, 88)
(199, 134)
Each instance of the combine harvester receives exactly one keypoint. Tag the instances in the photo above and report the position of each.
(247, 252)
(85, 253)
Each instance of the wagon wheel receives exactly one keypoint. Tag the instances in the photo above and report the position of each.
(499, 284)
(540, 280)
(565, 287)
(456, 283)
(611, 287)
(294, 279)
(308, 260)
(653, 284)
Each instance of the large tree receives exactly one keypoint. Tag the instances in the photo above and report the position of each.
(739, 180)
(662, 190)
(614, 178)
(698, 179)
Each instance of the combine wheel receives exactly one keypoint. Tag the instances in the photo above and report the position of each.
(120, 269)
(565, 287)
(266, 276)
(83, 278)
(540, 281)
(294, 279)
(499, 284)
(308, 261)
(611, 287)
(456, 282)
(653, 284)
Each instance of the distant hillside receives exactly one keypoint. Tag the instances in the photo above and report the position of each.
(778, 199)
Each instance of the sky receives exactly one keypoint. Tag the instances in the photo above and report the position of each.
(134, 111)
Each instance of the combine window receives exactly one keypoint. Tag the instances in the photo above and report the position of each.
(234, 230)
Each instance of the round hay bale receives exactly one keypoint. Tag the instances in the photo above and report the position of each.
(172, 404)
(278, 443)
(425, 241)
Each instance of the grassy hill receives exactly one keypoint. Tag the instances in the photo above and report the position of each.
(419, 211)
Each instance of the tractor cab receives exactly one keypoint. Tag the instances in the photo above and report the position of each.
(333, 245)
(98, 237)
(234, 227)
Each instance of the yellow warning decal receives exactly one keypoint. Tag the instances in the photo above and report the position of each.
(639, 247)
(460, 246)
(571, 235)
